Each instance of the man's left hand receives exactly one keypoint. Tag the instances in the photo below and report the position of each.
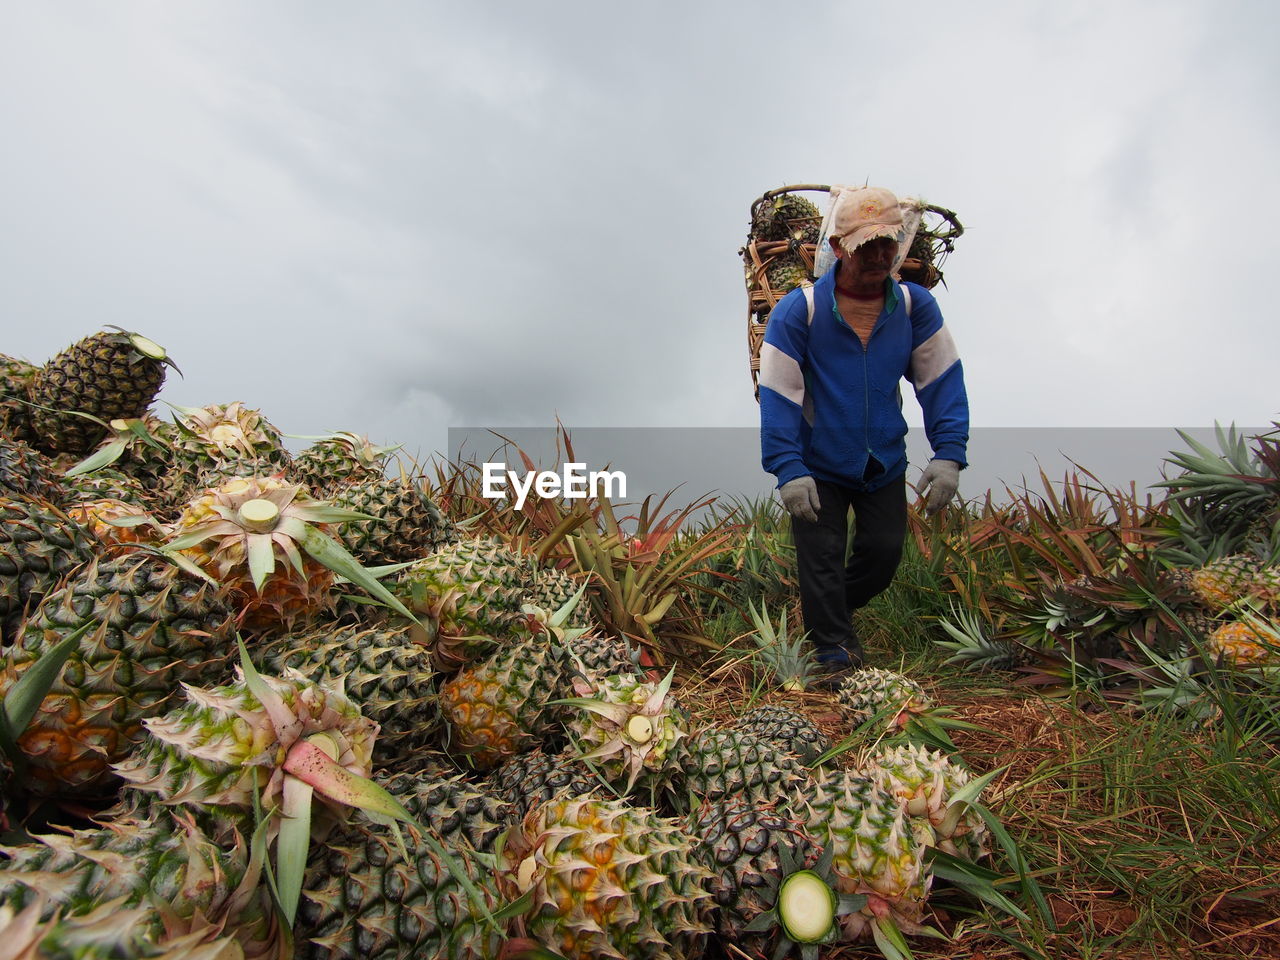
(942, 478)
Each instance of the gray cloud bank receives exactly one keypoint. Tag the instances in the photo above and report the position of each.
(397, 218)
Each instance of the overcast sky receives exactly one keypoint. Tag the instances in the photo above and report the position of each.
(397, 218)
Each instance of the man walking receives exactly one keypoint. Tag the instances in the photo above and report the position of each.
(831, 424)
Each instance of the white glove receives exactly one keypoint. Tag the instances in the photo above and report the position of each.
(800, 497)
(942, 478)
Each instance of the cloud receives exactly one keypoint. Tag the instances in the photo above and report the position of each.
(396, 219)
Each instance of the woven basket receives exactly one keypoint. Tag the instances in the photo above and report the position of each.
(932, 243)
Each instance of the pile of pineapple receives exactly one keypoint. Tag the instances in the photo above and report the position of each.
(313, 717)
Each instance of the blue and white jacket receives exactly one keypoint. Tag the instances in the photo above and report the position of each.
(827, 404)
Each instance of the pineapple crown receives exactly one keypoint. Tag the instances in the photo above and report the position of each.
(251, 518)
(145, 348)
(352, 445)
(634, 720)
(229, 741)
(268, 744)
(233, 430)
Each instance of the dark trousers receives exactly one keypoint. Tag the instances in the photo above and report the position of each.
(830, 590)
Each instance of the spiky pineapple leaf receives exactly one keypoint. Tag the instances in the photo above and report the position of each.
(104, 456)
(26, 695)
(327, 551)
(293, 843)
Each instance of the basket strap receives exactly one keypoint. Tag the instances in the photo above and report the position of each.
(906, 295)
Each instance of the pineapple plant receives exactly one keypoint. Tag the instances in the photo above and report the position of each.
(338, 460)
(788, 730)
(628, 727)
(151, 627)
(606, 880)
(781, 659)
(108, 375)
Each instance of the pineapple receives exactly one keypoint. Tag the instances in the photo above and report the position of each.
(383, 671)
(106, 375)
(458, 812)
(468, 589)
(628, 727)
(223, 440)
(227, 747)
(154, 626)
(722, 764)
(924, 781)
(25, 472)
(500, 707)
(362, 901)
(136, 454)
(607, 880)
(753, 852)
(338, 460)
(39, 545)
(126, 886)
(407, 524)
(236, 531)
(108, 930)
(15, 414)
(790, 731)
(788, 216)
(115, 521)
(598, 655)
(1245, 644)
(875, 851)
(532, 778)
(1224, 582)
(784, 274)
(104, 485)
(551, 589)
(870, 691)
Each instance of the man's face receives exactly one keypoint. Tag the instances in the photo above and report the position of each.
(870, 263)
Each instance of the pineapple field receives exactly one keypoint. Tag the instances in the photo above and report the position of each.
(337, 704)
